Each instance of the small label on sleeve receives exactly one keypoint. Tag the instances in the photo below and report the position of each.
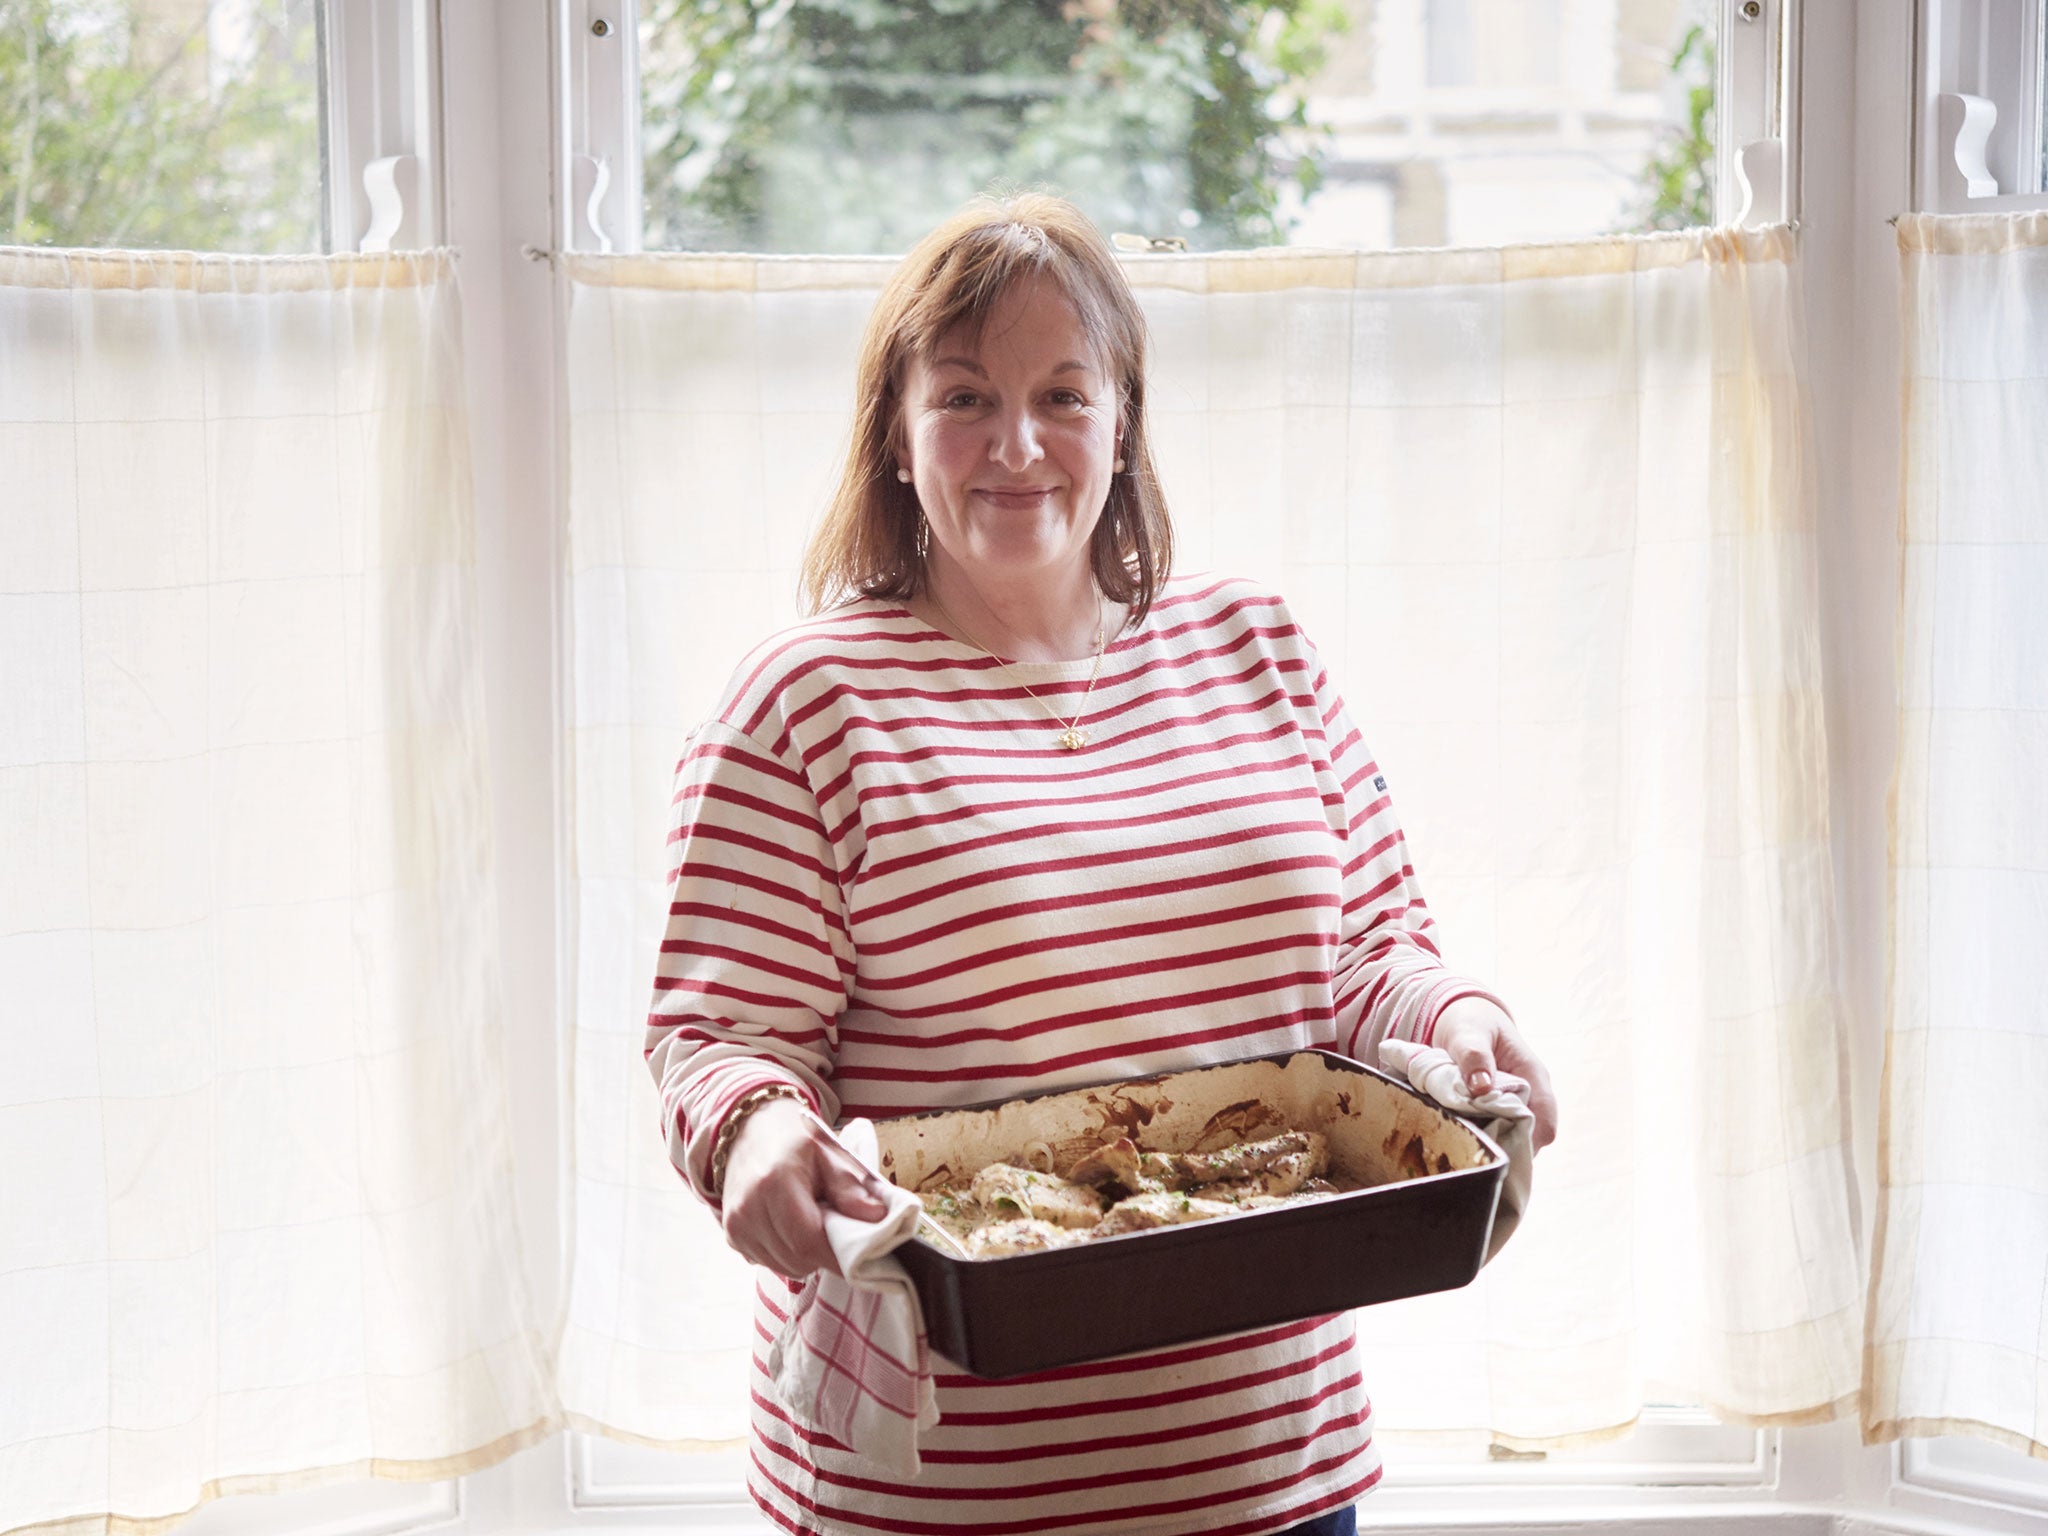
(1379, 782)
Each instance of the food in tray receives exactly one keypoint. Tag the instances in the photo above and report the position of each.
(1117, 1187)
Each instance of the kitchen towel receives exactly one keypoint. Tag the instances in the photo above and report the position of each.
(852, 1361)
(1503, 1113)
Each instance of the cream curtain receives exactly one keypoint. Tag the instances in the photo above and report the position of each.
(258, 1230)
(1958, 1340)
(1549, 512)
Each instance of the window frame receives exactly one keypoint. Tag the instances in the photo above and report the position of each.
(1954, 1468)
(1979, 117)
(598, 162)
(383, 131)
(1756, 149)
(1677, 1452)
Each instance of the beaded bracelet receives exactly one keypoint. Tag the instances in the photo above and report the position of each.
(729, 1132)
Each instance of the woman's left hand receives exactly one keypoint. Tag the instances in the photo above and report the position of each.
(1482, 1040)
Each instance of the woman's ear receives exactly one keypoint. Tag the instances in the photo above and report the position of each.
(894, 446)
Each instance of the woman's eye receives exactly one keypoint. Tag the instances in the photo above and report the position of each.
(1067, 397)
(961, 400)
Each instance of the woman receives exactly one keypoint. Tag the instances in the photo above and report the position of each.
(1020, 812)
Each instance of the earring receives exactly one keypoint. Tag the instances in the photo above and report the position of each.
(903, 474)
(1119, 469)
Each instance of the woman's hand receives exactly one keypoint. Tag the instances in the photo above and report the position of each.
(784, 1171)
(1483, 1040)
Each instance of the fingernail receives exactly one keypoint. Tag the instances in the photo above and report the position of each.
(1482, 1082)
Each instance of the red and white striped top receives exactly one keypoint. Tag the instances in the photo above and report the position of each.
(895, 891)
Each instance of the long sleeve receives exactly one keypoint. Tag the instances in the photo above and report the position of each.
(755, 957)
(1389, 981)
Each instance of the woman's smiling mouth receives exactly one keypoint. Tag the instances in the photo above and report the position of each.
(1014, 495)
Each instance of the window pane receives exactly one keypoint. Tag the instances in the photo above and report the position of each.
(188, 124)
(855, 125)
(2041, 116)
(1497, 45)
(1482, 122)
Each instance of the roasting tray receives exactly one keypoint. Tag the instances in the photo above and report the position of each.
(1422, 1225)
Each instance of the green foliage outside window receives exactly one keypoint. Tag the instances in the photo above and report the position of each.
(856, 125)
(1676, 188)
(175, 124)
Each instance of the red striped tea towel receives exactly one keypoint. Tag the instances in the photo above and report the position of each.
(1503, 1113)
(851, 1362)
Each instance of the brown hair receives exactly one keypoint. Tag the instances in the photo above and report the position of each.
(866, 546)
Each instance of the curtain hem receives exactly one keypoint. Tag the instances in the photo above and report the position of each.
(583, 1424)
(1841, 1408)
(1261, 271)
(31, 266)
(1971, 234)
(1881, 1431)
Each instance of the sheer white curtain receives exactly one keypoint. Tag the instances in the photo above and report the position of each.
(1959, 1313)
(258, 1229)
(1548, 511)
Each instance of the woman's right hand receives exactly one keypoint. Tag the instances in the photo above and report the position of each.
(784, 1171)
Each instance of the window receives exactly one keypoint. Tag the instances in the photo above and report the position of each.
(174, 123)
(1485, 121)
(2038, 97)
(1960, 1466)
(1981, 106)
(844, 126)
(1669, 1447)
(366, 1508)
(253, 126)
(1493, 44)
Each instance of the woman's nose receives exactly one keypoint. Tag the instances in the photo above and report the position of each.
(1016, 444)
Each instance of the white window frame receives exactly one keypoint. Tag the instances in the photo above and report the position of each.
(1959, 1471)
(598, 163)
(380, 124)
(383, 129)
(367, 1508)
(1756, 181)
(1674, 1452)
(1674, 1455)
(1756, 115)
(1978, 118)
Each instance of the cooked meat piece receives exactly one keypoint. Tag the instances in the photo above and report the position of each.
(1293, 1157)
(1024, 1235)
(1285, 1174)
(1114, 1162)
(1159, 1208)
(1283, 1163)
(1003, 1190)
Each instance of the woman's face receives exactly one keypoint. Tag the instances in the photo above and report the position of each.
(1010, 443)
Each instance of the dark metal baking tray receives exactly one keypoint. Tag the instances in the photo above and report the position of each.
(1422, 1225)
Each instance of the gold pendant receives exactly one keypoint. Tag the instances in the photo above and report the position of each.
(1073, 740)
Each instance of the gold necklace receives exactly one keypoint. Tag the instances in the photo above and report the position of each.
(1072, 737)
